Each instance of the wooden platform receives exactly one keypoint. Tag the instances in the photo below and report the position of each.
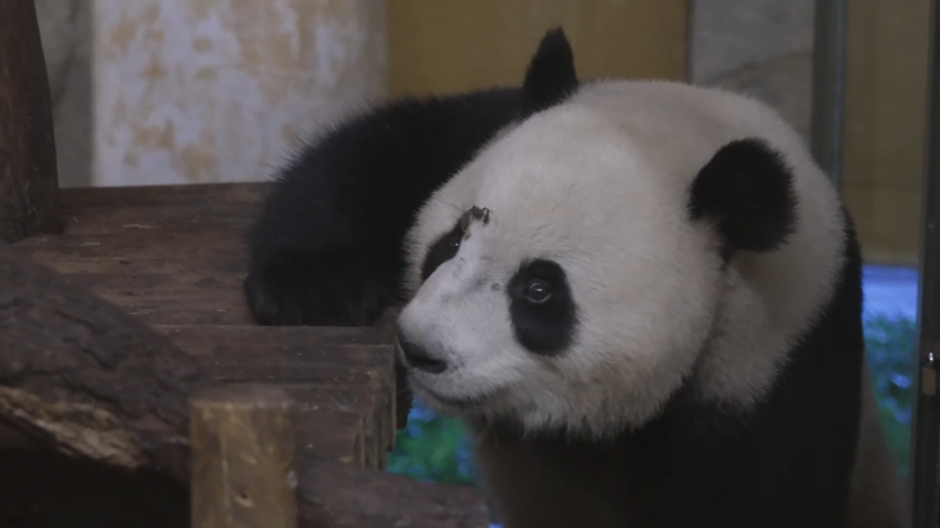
(135, 390)
(175, 258)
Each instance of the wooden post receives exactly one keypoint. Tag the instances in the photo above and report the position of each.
(29, 183)
(243, 458)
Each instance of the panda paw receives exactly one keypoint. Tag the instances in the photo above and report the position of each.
(338, 293)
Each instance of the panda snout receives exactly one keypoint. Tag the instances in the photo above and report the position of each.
(418, 358)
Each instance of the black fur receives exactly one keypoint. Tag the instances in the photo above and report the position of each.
(326, 248)
(786, 464)
(544, 328)
(442, 250)
(747, 190)
(551, 76)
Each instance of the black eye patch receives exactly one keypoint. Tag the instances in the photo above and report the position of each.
(447, 245)
(541, 307)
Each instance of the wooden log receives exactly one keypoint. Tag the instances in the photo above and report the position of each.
(243, 458)
(28, 178)
(87, 379)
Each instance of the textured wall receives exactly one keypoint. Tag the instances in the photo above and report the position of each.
(190, 91)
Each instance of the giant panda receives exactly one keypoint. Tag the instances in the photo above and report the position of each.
(645, 301)
(703, 257)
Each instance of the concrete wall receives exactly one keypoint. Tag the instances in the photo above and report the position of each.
(198, 91)
(762, 48)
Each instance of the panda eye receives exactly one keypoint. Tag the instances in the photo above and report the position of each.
(454, 242)
(538, 291)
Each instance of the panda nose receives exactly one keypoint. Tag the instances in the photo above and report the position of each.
(417, 357)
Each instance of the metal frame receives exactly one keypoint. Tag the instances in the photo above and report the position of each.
(827, 144)
(926, 424)
(828, 86)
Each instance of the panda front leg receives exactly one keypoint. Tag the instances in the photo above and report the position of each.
(321, 289)
(325, 248)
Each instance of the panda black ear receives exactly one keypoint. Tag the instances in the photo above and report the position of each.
(551, 77)
(746, 189)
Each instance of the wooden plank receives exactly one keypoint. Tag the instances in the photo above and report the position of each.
(141, 220)
(367, 403)
(183, 283)
(228, 308)
(133, 264)
(129, 267)
(339, 496)
(351, 369)
(325, 433)
(309, 360)
(203, 339)
(243, 458)
(350, 377)
(161, 195)
(186, 297)
(154, 244)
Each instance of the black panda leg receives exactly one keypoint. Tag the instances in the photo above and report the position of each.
(320, 290)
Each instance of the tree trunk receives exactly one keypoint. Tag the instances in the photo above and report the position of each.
(28, 178)
(82, 376)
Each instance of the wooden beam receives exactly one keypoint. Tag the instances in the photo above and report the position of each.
(28, 179)
(243, 458)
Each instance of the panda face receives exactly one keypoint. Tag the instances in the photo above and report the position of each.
(535, 305)
(613, 249)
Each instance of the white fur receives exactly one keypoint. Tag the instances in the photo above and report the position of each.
(600, 184)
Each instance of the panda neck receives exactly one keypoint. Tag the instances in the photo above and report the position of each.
(583, 481)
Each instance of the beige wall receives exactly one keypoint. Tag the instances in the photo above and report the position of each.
(203, 91)
(886, 75)
(438, 46)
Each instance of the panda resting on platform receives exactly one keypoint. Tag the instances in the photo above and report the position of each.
(643, 297)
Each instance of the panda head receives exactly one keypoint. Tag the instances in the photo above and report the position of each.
(620, 244)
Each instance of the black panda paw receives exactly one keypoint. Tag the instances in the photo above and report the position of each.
(318, 294)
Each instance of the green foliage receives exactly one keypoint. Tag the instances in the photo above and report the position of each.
(432, 448)
(436, 449)
(891, 355)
